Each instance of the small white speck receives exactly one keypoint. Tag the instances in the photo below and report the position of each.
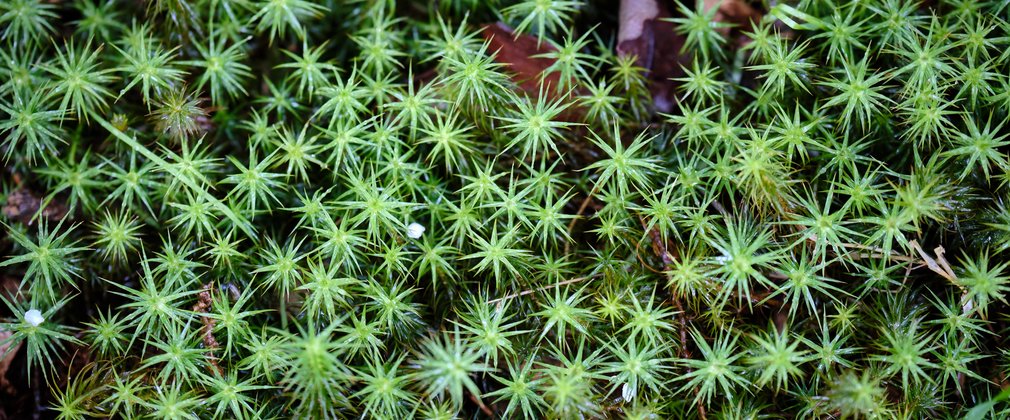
(415, 230)
(628, 392)
(34, 317)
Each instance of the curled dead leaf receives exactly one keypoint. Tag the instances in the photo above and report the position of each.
(645, 34)
(656, 46)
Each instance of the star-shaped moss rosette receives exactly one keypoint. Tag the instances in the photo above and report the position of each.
(504, 209)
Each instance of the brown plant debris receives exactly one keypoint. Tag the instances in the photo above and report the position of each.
(23, 204)
(202, 306)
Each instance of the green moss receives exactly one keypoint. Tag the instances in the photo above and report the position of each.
(247, 209)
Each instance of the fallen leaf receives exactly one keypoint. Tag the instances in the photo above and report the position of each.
(9, 286)
(6, 357)
(22, 205)
(517, 53)
(737, 12)
(633, 16)
(644, 34)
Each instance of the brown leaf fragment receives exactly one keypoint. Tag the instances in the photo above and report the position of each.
(737, 12)
(7, 353)
(9, 286)
(942, 268)
(632, 18)
(741, 14)
(23, 204)
(655, 45)
(517, 54)
(644, 34)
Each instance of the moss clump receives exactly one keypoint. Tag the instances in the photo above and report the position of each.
(246, 209)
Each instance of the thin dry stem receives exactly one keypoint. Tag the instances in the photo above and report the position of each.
(540, 289)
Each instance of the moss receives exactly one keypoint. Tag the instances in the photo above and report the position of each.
(245, 209)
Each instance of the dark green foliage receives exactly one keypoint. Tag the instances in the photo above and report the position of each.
(356, 209)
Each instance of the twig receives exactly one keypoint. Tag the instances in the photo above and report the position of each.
(876, 252)
(578, 214)
(661, 250)
(638, 254)
(943, 261)
(894, 257)
(938, 265)
(682, 320)
(480, 404)
(701, 407)
(540, 289)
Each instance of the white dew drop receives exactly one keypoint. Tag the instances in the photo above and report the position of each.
(415, 230)
(34, 317)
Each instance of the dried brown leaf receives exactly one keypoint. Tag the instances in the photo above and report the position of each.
(737, 12)
(654, 42)
(656, 46)
(517, 53)
(6, 357)
(23, 204)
